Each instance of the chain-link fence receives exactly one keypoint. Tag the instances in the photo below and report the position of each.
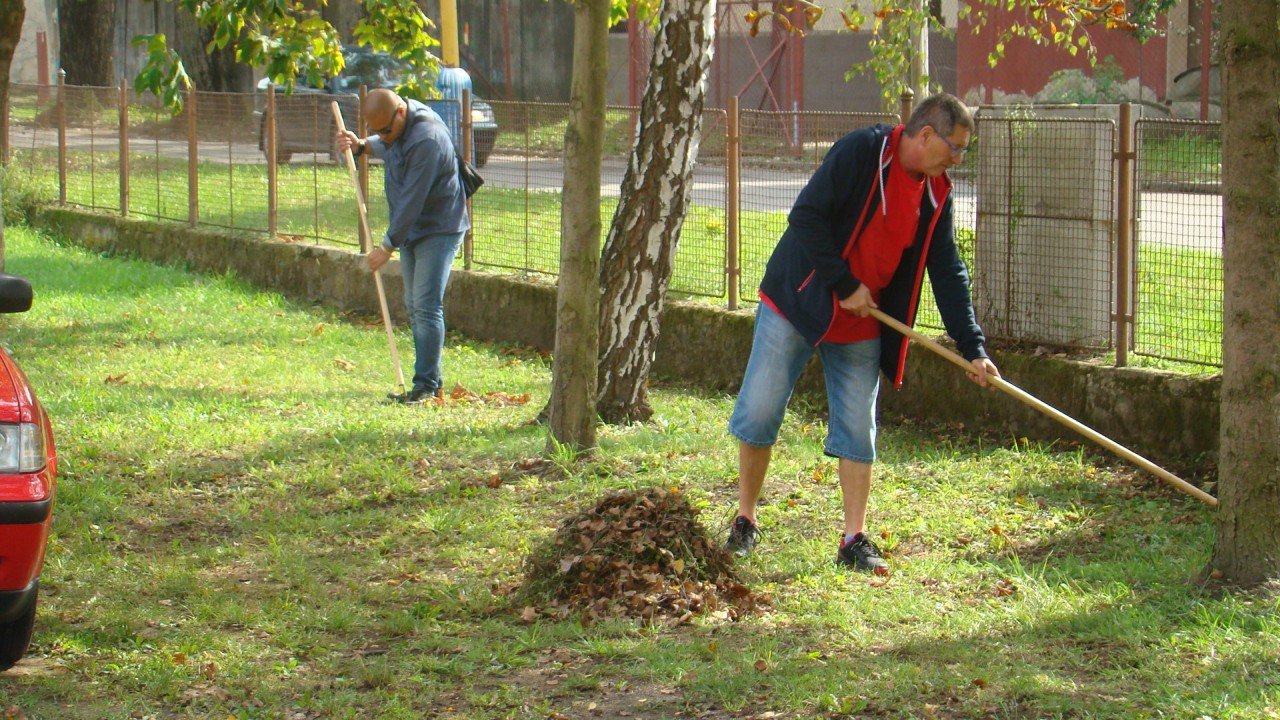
(516, 217)
(1035, 202)
(1178, 278)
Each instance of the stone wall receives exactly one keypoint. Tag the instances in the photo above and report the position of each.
(1164, 416)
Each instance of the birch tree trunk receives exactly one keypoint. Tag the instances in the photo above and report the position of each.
(1247, 550)
(573, 368)
(642, 241)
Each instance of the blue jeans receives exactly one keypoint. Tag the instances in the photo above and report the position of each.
(425, 268)
(778, 355)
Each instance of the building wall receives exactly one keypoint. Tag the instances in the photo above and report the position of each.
(826, 58)
(40, 18)
(1026, 68)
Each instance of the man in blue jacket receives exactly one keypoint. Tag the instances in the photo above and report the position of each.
(427, 219)
(873, 219)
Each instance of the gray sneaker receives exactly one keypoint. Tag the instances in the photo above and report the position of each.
(862, 555)
(742, 537)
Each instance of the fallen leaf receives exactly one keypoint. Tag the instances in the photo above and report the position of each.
(761, 666)
(116, 379)
(529, 614)
(344, 364)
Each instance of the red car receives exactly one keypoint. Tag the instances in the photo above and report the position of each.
(28, 474)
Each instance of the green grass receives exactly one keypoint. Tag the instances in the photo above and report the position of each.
(243, 530)
(1186, 153)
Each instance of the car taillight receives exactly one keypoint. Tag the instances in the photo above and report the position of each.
(22, 448)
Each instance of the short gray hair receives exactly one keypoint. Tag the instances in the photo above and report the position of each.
(943, 112)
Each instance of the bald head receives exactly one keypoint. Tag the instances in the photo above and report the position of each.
(381, 101)
(382, 112)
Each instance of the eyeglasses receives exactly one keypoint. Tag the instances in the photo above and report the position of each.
(957, 152)
(390, 125)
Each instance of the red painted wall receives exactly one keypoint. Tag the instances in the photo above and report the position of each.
(1026, 67)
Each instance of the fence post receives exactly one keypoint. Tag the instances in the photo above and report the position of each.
(62, 137)
(906, 101)
(466, 153)
(124, 148)
(272, 139)
(732, 166)
(42, 67)
(1122, 317)
(193, 162)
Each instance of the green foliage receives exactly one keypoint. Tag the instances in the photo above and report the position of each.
(894, 24)
(291, 42)
(402, 31)
(19, 193)
(1075, 86)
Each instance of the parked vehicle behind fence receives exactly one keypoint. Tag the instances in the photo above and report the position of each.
(304, 121)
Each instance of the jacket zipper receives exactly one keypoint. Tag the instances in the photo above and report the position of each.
(807, 280)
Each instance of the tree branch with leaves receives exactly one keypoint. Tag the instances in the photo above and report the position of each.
(1062, 24)
(291, 42)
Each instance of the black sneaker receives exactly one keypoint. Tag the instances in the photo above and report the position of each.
(861, 554)
(415, 397)
(742, 537)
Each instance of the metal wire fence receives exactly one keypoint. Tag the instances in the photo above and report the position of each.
(1045, 230)
(1035, 201)
(1178, 309)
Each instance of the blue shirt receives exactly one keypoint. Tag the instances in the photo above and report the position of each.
(424, 195)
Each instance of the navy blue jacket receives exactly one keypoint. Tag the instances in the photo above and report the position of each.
(808, 274)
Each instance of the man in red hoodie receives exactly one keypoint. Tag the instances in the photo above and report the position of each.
(873, 219)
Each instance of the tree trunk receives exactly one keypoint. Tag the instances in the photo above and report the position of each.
(10, 32)
(87, 37)
(641, 248)
(1247, 550)
(573, 370)
(11, 15)
(215, 71)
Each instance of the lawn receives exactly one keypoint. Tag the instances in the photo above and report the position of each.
(244, 531)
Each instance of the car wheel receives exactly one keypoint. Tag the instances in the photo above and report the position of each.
(282, 155)
(15, 635)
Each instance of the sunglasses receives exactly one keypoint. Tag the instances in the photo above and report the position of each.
(390, 125)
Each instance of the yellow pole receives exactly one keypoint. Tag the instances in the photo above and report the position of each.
(449, 32)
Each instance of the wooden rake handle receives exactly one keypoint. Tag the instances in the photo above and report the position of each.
(365, 239)
(1052, 412)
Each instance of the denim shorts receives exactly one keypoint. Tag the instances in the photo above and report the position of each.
(778, 355)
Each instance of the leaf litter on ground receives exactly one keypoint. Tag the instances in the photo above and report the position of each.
(638, 554)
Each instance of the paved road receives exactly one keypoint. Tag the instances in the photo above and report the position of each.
(1179, 220)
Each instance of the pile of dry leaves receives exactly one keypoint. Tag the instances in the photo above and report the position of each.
(639, 554)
